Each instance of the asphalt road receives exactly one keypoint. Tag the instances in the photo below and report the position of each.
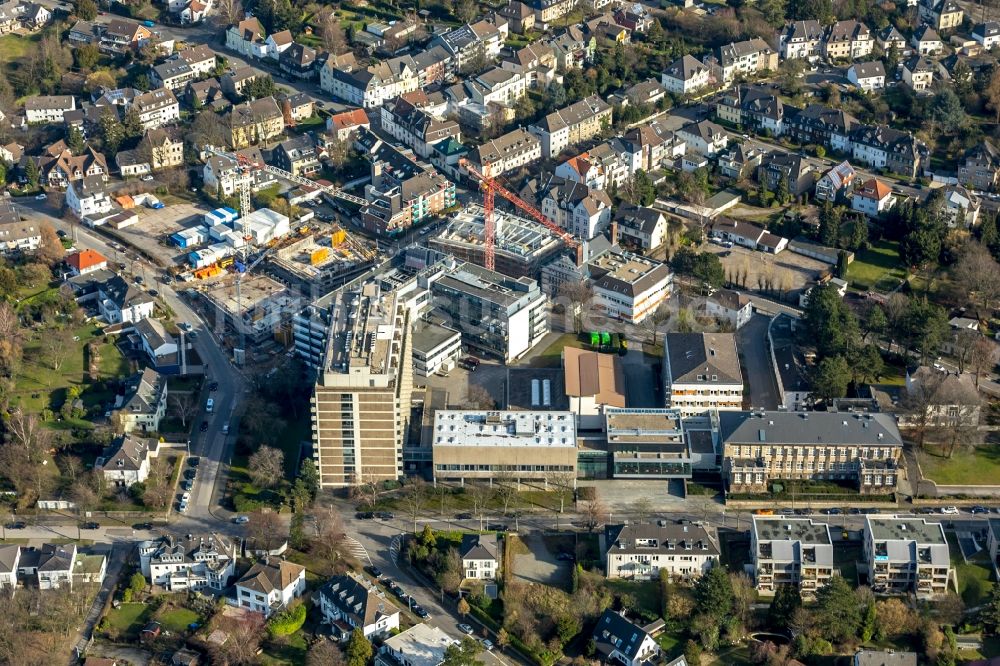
(211, 446)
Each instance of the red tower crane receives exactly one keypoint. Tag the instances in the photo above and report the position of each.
(491, 187)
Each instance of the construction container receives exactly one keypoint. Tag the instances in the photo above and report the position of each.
(240, 266)
(125, 201)
(338, 237)
(207, 272)
(319, 256)
(226, 262)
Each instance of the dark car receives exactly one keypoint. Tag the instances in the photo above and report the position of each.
(802, 512)
(143, 526)
(496, 527)
(365, 515)
(91, 526)
(565, 557)
(137, 279)
(375, 571)
(194, 461)
(979, 509)
(385, 515)
(398, 591)
(421, 613)
(832, 512)
(190, 474)
(16, 525)
(154, 293)
(854, 511)
(214, 386)
(193, 335)
(204, 426)
(187, 484)
(464, 516)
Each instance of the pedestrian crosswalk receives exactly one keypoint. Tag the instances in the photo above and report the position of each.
(394, 546)
(356, 550)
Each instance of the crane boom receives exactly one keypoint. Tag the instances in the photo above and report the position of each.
(491, 187)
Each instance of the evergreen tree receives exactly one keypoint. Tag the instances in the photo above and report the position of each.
(74, 139)
(359, 649)
(786, 601)
(31, 172)
(112, 132)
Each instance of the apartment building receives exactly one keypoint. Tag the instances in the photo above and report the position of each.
(145, 402)
(848, 40)
(629, 287)
(701, 372)
(358, 604)
(907, 556)
(499, 316)
(747, 58)
(801, 39)
(48, 108)
(172, 74)
(371, 86)
(582, 211)
(361, 401)
(761, 447)
(417, 125)
(121, 35)
(189, 563)
(255, 122)
(790, 551)
(468, 42)
(247, 38)
(641, 551)
(511, 151)
(473, 444)
(573, 124)
(165, 149)
(157, 108)
(88, 196)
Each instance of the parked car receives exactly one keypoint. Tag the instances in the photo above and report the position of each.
(421, 613)
(190, 474)
(41, 197)
(147, 178)
(90, 526)
(464, 516)
(143, 526)
(194, 461)
(487, 643)
(949, 510)
(182, 507)
(16, 525)
(979, 509)
(496, 527)
(204, 426)
(398, 591)
(385, 515)
(187, 484)
(241, 520)
(466, 629)
(374, 571)
(214, 386)
(365, 515)
(565, 557)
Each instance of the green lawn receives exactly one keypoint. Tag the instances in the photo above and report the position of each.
(877, 268)
(981, 466)
(551, 357)
(646, 593)
(129, 619)
(13, 46)
(177, 619)
(287, 650)
(975, 582)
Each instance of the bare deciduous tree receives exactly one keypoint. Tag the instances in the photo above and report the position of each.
(415, 499)
(329, 534)
(228, 12)
(977, 275)
(265, 530)
(266, 466)
(982, 357)
(334, 38)
(57, 345)
(184, 406)
(240, 649)
(505, 484)
(481, 496)
(595, 513)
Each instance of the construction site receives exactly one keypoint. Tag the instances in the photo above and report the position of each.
(323, 259)
(521, 246)
(259, 310)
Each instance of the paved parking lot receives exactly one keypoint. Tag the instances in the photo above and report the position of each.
(153, 230)
(787, 270)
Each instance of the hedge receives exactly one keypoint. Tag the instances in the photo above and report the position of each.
(287, 622)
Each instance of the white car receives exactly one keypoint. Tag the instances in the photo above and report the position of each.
(183, 507)
(487, 643)
(41, 197)
(147, 178)
(241, 520)
(185, 498)
(949, 510)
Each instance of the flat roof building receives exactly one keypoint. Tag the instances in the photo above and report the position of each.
(593, 382)
(474, 444)
(521, 246)
(646, 444)
(435, 348)
(362, 398)
(791, 551)
(640, 551)
(701, 372)
(629, 287)
(907, 555)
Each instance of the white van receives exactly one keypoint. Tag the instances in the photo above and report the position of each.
(209, 405)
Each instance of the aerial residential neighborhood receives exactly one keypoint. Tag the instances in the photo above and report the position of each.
(530, 332)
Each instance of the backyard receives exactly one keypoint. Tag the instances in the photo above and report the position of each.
(878, 268)
(975, 575)
(979, 466)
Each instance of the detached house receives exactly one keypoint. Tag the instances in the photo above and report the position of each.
(88, 196)
(926, 41)
(987, 34)
(835, 183)
(918, 73)
(277, 43)
(127, 461)
(786, 170)
(873, 198)
(980, 167)
(582, 211)
(172, 74)
(868, 76)
(144, 404)
(121, 36)
(941, 14)
(619, 641)
(298, 61)
(371, 86)
(85, 261)
(270, 585)
(157, 108)
(247, 38)
(704, 137)
(255, 122)
(480, 555)
(686, 75)
(347, 603)
(639, 226)
(746, 58)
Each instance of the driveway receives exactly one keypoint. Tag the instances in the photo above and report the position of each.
(539, 565)
(116, 561)
(755, 356)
